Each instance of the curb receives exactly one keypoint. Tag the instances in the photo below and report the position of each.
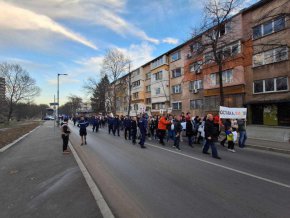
(17, 140)
(102, 204)
(277, 150)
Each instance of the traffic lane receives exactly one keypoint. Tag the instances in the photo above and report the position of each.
(160, 180)
(37, 180)
(266, 164)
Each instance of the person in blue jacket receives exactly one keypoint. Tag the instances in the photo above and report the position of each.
(83, 124)
(116, 125)
(143, 128)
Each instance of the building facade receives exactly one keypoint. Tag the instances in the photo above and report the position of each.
(255, 71)
(267, 84)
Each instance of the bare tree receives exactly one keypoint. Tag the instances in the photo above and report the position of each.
(19, 85)
(216, 22)
(75, 103)
(114, 65)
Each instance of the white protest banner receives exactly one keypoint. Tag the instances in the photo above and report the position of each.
(233, 113)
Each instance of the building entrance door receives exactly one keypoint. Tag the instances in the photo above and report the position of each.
(257, 114)
(270, 115)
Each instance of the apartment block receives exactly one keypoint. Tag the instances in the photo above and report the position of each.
(267, 79)
(160, 95)
(137, 92)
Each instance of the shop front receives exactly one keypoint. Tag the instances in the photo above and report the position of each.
(270, 114)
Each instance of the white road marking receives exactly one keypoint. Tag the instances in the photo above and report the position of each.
(224, 167)
(102, 204)
(17, 140)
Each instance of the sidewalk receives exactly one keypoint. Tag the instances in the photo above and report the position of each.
(37, 180)
(280, 147)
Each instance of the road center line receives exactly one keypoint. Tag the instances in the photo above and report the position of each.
(224, 167)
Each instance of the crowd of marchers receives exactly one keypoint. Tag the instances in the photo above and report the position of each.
(184, 127)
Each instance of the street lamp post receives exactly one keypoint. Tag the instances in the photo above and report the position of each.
(59, 74)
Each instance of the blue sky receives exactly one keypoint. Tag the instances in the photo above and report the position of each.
(71, 36)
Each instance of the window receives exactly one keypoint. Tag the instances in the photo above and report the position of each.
(281, 84)
(148, 100)
(279, 24)
(258, 86)
(158, 62)
(158, 75)
(196, 47)
(136, 83)
(176, 106)
(270, 56)
(196, 104)
(270, 85)
(227, 76)
(225, 28)
(231, 50)
(148, 76)
(176, 89)
(197, 84)
(157, 91)
(269, 27)
(196, 67)
(213, 79)
(157, 106)
(208, 58)
(136, 95)
(148, 88)
(175, 56)
(176, 72)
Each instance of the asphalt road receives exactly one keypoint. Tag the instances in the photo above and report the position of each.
(163, 182)
(37, 180)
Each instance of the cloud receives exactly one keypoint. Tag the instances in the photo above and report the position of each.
(170, 40)
(139, 54)
(107, 13)
(13, 17)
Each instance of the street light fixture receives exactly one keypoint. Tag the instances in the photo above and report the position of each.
(59, 74)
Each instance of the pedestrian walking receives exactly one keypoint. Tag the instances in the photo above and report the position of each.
(189, 129)
(210, 133)
(227, 125)
(83, 124)
(110, 124)
(95, 122)
(65, 131)
(127, 126)
(170, 129)
(143, 127)
(134, 130)
(177, 131)
(162, 125)
(242, 131)
(116, 125)
(230, 139)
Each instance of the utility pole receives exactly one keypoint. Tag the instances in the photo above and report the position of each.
(59, 74)
(130, 87)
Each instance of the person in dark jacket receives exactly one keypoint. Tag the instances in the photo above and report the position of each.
(189, 130)
(110, 124)
(177, 131)
(134, 130)
(210, 134)
(65, 131)
(127, 125)
(116, 125)
(83, 124)
(143, 128)
(95, 122)
(227, 125)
